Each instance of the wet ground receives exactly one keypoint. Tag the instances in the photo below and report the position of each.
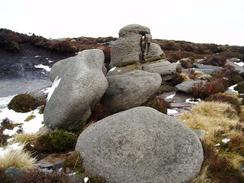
(27, 70)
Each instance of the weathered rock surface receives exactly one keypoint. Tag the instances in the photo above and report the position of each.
(187, 86)
(163, 67)
(130, 89)
(81, 84)
(154, 53)
(125, 51)
(133, 29)
(140, 145)
(207, 69)
(236, 67)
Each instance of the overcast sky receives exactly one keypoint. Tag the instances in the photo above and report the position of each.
(209, 21)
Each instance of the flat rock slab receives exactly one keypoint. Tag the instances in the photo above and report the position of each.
(163, 67)
(187, 86)
(140, 145)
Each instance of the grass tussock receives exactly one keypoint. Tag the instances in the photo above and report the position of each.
(29, 138)
(217, 168)
(211, 117)
(18, 158)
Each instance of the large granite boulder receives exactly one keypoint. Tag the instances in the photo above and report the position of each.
(140, 145)
(125, 51)
(130, 89)
(163, 67)
(79, 84)
(133, 29)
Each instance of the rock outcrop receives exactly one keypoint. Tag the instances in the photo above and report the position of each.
(80, 85)
(134, 45)
(140, 145)
(130, 89)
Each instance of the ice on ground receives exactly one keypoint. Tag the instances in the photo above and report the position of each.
(172, 112)
(239, 63)
(53, 87)
(41, 66)
(9, 148)
(193, 101)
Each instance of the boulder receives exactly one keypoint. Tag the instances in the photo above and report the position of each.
(154, 53)
(133, 29)
(187, 86)
(163, 67)
(207, 69)
(80, 86)
(130, 89)
(125, 51)
(140, 145)
(239, 69)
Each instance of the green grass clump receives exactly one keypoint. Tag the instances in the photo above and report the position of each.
(56, 141)
(23, 103)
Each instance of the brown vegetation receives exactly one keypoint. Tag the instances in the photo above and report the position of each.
(23, 103)
(203, 90)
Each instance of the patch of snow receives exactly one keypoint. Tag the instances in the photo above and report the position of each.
(50, 61)
(217, 145)
(225, 140)
(11, 147)
(170, 96)
(46, 90)
(53, 87)
(10, 132)
(112, 69)
(231, 89)
(172, 112)
(193, 101)
(37, 56)
(119, 70)
(86, 179)
(4, 101)
(41, 66)
(31, 126)
(239, 63)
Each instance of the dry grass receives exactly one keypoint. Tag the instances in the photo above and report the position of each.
(211, 117)
(27, 138)
(17, 158)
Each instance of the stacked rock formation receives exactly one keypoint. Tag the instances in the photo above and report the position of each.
(137, 65)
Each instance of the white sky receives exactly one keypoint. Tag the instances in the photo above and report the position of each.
(209, 21)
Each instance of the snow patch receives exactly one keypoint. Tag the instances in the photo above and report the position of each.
(53, 87)
(86, 179)
(172, 112)
(4, 101)
(31, 126)
(37, 56)
(112, 69)
(9, 148)
(239, 63)
(41, 66)
(170, 96)
(231, 89)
